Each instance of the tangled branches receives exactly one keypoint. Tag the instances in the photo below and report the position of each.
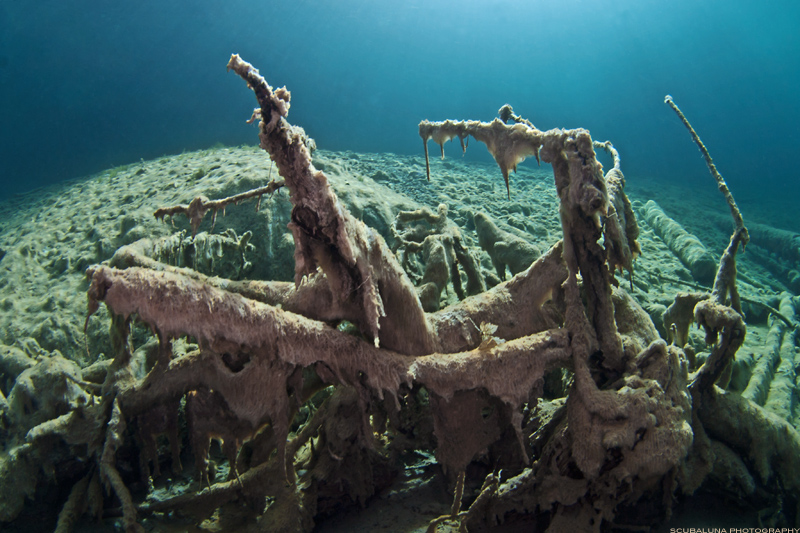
(317, 387)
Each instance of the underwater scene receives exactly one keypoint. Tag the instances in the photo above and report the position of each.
(352, 266)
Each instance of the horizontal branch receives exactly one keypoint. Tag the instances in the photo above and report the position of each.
(201, 205)
(175, 305)
(457, 326)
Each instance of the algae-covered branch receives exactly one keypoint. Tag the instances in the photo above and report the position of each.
(547, 399)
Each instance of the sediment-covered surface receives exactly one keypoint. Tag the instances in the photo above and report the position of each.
(49, 238)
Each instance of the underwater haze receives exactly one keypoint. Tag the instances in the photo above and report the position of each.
(89, 85)
(356, 348)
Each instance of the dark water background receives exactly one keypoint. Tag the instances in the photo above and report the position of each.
(87, 85)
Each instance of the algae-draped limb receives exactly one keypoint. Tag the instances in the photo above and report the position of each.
(313, 416)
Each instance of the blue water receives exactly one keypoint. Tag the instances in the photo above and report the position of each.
(86, 85)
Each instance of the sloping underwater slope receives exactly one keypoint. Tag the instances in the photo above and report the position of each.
(50, 237)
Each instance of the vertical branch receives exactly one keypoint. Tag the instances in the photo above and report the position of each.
(459, 493)
(584, 201)
(714, 314)
(718, 318)
(723, 187)
(109, 472)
